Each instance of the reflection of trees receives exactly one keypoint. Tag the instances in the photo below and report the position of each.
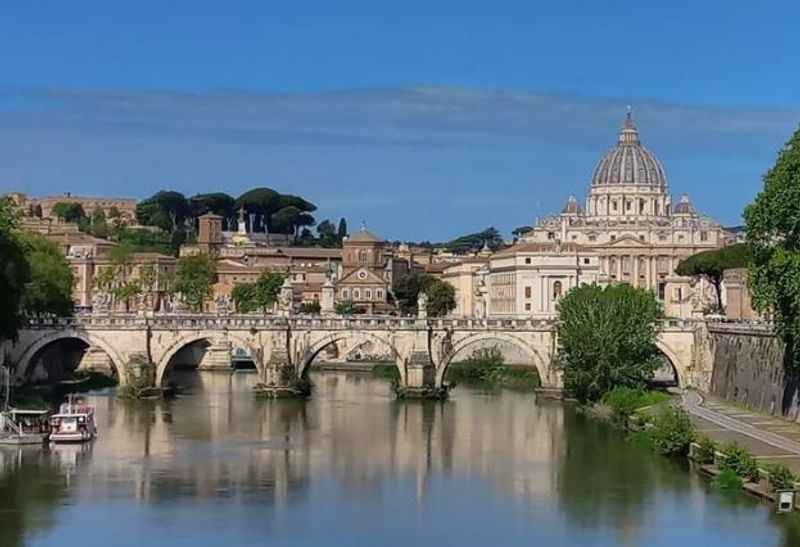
(603, 481)
(32, 486)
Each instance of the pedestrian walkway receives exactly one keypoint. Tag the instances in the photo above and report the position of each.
(769, 439)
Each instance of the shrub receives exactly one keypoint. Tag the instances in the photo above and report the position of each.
(740, 461)
(727, 480)
(704, 453)
(625, 401)
(310, 307)
(780, 476)
(672, 432)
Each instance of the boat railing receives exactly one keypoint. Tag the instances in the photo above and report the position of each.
(6, 423)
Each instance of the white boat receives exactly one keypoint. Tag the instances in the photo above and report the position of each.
(74, 423)
(23, 427)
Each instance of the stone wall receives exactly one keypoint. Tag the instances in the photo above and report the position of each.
(748, 369)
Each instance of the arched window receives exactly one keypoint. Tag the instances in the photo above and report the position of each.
(556, 290)
(346, 294)
(362, 257)
(367, 294)
(356, 294)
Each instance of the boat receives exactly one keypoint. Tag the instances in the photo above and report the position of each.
(74, 422)
(20, 427)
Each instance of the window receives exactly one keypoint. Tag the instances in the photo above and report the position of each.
(703, 236)
(356, 294)
(613, 205)
(362, 257)
(527, 292)
(574, 237)
(556, 290)
(641, 237)
(367, 294)
(592, 237)
(662, 288)
(346, 294)
(628, 205)
(641, 206)
(378, 294)
(527, 261)
(586, 261)
(613, 237)
(527, 306)
(551, 235)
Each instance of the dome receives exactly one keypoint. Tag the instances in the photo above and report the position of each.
(684, 206)
(629, 162)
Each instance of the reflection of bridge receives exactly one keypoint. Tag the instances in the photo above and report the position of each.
(283, 348)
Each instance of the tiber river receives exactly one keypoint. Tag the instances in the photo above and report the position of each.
(352, 466)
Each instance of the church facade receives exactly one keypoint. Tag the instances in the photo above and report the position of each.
(630, 222)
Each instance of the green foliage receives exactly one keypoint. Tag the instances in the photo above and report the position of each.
(263, 203)
(606, 339)
(290, 219)
(671, 432)
(739, 461)
(194, 278)
(117, 278)
(471, 243)
(521, 231)
(165, 209)
(625, 401)
(14, 273)
(261, 295)
(49, 289)
(218, 203)
(705, 451)
(486, 366)
(310, 307)
(69, 212)
(727, 480)
(712, 264)
(780, 476)
(341, 232)
(441, 297)
(143, 240)
(99, 225)
(345, 307)
(772, 223)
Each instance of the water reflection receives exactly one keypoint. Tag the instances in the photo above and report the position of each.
(355, 466)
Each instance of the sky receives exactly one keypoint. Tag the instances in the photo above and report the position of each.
(425, 120)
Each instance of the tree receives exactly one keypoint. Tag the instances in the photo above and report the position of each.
(49, 289)
(326, 233)
(245, 297)
(471, 243)
(345, 307)
(289, 219)
(341, 232)
(261, 295)
(99, 225)
(441, 296)
(218, 203)
(406, 290)
(14, 273)
(606, 339)
(69, 212)
(772, 225)
(310, 307)
(712, 264)
(117, 278)
(521, 231)
(194, 278)
(165, 209)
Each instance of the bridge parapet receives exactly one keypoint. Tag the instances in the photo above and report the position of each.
(753, 328)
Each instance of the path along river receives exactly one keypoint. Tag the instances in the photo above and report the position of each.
(353, 466)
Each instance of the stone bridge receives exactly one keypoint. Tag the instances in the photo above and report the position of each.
(283, 348)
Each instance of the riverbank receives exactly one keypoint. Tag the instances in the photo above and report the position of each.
(736, 448)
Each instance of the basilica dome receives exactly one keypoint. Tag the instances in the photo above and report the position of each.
(629, 162)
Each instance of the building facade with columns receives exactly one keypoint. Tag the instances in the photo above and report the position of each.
(630, 222)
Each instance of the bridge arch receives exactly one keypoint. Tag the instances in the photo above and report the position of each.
(163, 363)
(354, 338)
(677, 366)
(482, 337)
(26, 357)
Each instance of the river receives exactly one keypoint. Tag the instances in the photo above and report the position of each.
(353, 466)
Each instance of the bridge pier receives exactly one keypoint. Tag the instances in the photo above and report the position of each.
(280, 378)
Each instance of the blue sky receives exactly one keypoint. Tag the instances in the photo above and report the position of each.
(425, 119)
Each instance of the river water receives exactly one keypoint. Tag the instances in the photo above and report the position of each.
(353, 466)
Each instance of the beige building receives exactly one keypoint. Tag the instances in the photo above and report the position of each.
(465, 277)
(630, 221)
(43, 207)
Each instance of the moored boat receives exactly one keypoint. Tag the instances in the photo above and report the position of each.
(74, 423)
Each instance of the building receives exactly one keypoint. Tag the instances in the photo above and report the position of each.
(369, 270)
(629, 220)
(43, 207)
(465, 277)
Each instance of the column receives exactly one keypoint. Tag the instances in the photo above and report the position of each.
(635, 270)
